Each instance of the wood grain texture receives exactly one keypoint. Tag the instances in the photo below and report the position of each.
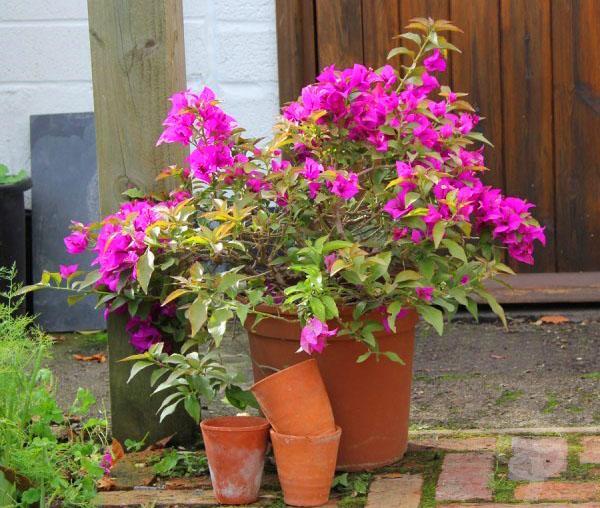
(381, 22)
(339, 32)
(137, 63)
(576, 49)
(435, 9)
(527, 114)
(477, 71)
(296, 50)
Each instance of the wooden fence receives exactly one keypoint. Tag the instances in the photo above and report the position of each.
(531, 67)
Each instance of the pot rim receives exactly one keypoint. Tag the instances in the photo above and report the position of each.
(224, 424)
(21, 185)
(318, 437)
(271, 377)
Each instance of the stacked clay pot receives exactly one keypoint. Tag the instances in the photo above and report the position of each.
(304, 435)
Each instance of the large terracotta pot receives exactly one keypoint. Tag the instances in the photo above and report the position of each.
(370, 400)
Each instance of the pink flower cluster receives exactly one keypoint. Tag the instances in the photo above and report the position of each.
(367, 104)
(357, 99)
(314, 336)
(196, 119)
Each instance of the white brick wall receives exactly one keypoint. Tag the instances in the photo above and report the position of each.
(45, 62)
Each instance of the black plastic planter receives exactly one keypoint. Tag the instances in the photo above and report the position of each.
(13, 247)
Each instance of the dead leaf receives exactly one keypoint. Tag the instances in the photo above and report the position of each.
(98, 357)
(554, 320)
(498, 357)
(21, 482)
(105, 483)
(194, 483)
(161, 443)
(117, 450)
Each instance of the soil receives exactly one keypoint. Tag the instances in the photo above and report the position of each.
(474, 376)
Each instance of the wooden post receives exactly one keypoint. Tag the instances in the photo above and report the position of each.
(137, 63)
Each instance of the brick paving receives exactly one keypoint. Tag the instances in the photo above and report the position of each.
(498, 471)
(465, 477)
(591, 450)
(401, 492)
(558, 491)
(537, 459)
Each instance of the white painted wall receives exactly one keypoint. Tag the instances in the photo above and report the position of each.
(230, 45)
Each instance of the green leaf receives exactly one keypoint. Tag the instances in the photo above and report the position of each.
(438, 233)
(192, 406)
(494, 305)
(217, 324)
(336, 245)
(364, 357)
(240, 399)
(174, 295)
(318, 309)
(137, 367)
(416, 38)
(134, 193)
(144, 269)
(394, 357)
(433, 316)
(400, 51)
(196, 314)
(406, 275)
(455, 249)
(330, 307)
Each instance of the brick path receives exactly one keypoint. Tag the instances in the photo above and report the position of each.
(500, 471)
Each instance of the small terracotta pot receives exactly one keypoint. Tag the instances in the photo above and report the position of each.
(235, 448)
(305, 466)
(295, 400)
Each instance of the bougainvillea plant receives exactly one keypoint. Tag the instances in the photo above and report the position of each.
(369, 195)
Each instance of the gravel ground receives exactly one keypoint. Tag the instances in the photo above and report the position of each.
(475, 376)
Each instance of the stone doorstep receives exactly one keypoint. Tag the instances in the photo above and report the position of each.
(166, 498)
(591, 450)
(536, 459)
(467, 444)
(403, 491)
(465, 477)
(558, 491)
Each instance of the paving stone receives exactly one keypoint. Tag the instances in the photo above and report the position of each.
(165, 498)
(134, 470)
(558, 491)
(591, 450)
(401, 492)
(536, 459)
(524, 505)
(465, 477)
(469, 444)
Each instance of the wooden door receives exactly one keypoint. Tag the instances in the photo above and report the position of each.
(532, 69)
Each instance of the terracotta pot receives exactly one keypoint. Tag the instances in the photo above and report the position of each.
(305, 466)
(370, 400)
(295, 400)
(235, 448)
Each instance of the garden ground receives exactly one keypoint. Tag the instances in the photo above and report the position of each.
(479, 377)
(475, 376)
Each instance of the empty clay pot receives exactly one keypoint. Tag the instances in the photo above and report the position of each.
(235, 448)
(370, 400)
(295, 401)
(305, 466)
